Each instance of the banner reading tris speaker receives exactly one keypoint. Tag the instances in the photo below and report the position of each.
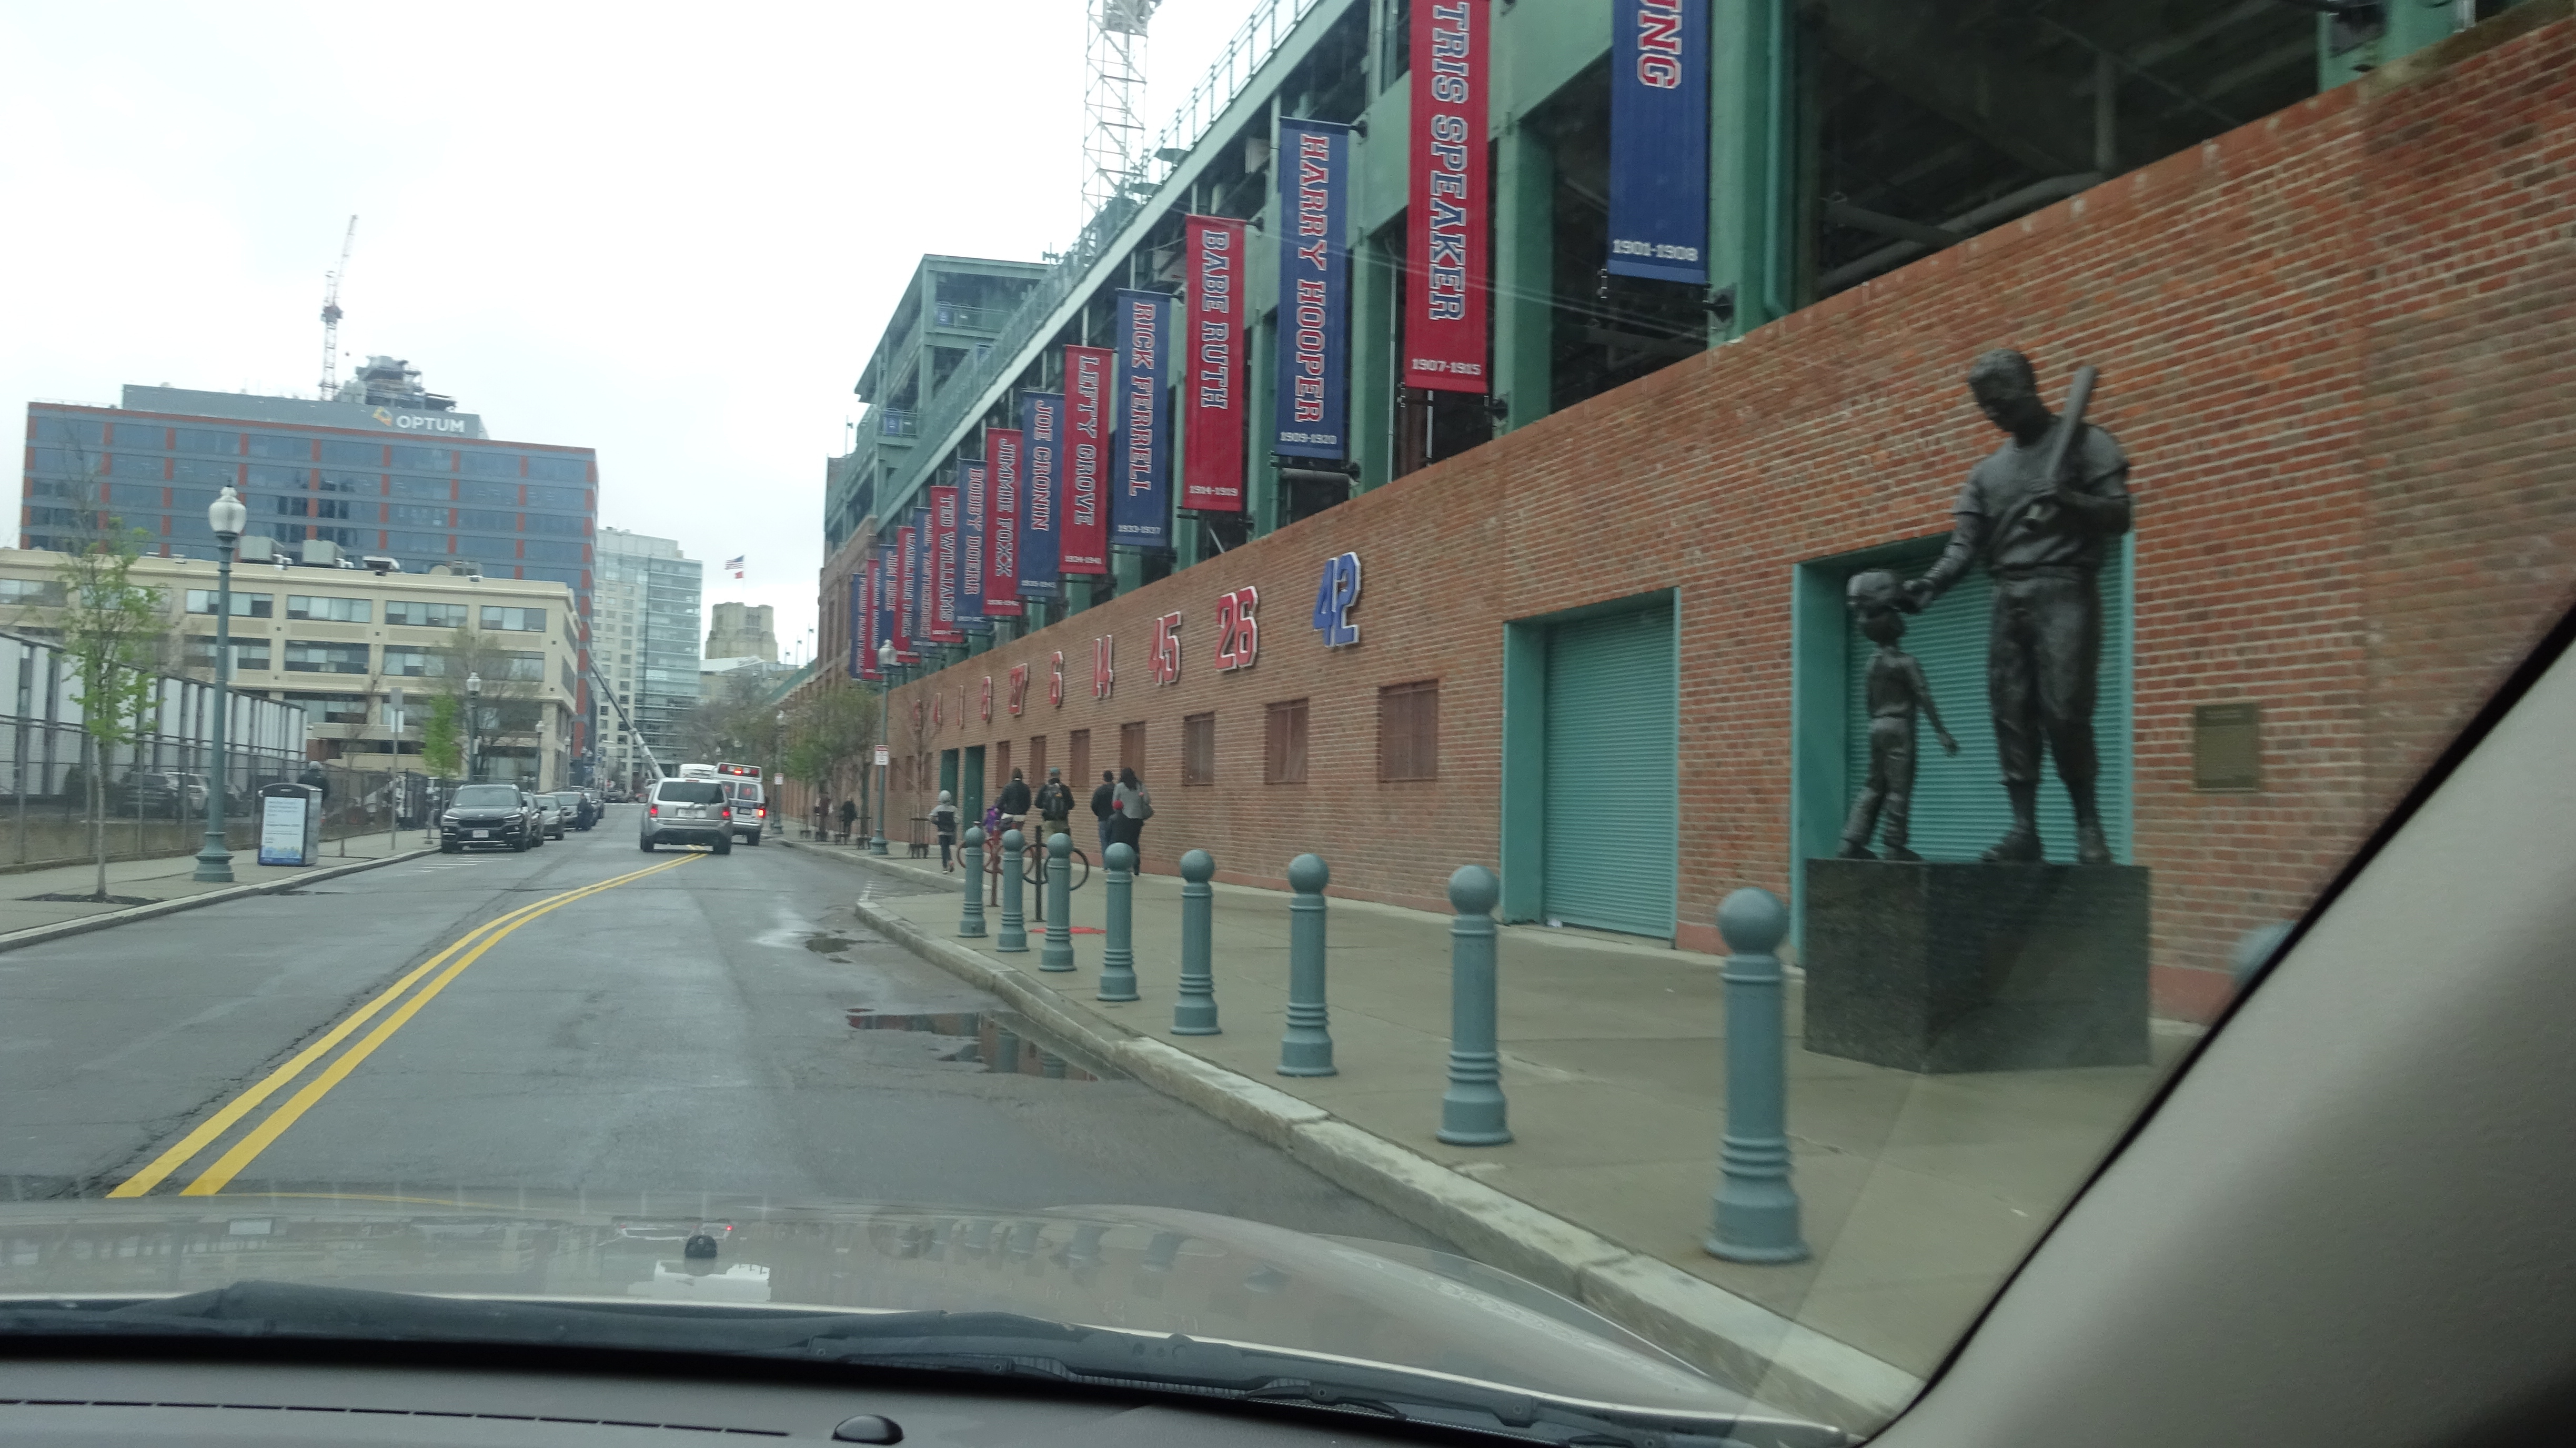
(1444, 305)
(1212, 356)
(1313, 406)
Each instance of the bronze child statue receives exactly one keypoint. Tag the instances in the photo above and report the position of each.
(1896, 688)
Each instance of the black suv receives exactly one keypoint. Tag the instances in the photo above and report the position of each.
(488, 816)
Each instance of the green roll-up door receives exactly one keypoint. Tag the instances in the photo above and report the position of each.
(1612, 733)
(1959, 806)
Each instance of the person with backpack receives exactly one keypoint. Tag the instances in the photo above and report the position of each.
(1102, 801)
(943, 818)
(1131, 806)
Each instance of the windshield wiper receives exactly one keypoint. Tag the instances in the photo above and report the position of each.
(994, 1344)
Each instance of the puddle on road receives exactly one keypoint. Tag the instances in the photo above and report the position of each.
(997, 1039)
(827, 944)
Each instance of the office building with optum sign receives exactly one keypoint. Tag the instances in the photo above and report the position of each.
(1603, 647)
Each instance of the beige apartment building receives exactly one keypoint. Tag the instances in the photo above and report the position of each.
(340, 642)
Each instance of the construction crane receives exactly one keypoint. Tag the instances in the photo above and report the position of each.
(1113, 134)
(331, 317)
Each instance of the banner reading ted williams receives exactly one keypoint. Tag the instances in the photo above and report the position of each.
(1005, 460)
(1086, 460)
(1140, 512)
(1212, 350)
(941, 614)
(1444, 294)
(1041, 492)
(974, 521)
(1659, 139)
(1314, 290)
(925, 588)
(907, 590)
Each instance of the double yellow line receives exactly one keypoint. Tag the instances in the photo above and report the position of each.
(468, 949)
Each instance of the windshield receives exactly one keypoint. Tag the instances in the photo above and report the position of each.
(1679, 652)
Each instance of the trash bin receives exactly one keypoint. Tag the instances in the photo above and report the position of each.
(290, 824)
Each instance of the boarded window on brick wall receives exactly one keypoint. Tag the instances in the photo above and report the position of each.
(1408, 731)
(1077, 761)
(1037, 760)
(1198, 749)
(1001, 766)
(1131, 747)
(1283, 743)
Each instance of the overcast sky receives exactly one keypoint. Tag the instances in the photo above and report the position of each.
(670, 233)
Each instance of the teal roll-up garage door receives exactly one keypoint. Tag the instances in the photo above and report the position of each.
(1612, 734)
(1959, 806)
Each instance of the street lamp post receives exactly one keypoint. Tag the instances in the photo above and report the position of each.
(885, 692)
(227, 517)
(473, 726)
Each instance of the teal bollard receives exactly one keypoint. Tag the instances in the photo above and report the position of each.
(1014, 939)
(1754, 1215)
(1194, 1013)
(1307, 1047)
(1058, 954)
(1118, 953)
(970, 858)
(1472, 1111)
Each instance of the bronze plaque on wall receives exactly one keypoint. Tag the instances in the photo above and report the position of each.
(2227, 748)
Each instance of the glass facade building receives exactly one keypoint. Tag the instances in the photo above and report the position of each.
(647, 647)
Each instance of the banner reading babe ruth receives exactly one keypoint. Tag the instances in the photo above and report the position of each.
(1211, 360)
(1087, 427)
(1444, 306)
(1005, 461)
(1041, 493)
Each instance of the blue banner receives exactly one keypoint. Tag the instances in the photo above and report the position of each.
(1659, 140)
(1312, 226)
(1140, 504)
(974, 525)
(1042, 493)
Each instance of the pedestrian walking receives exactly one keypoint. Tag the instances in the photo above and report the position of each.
(1054, 806)
(1014, 803)
(1103, 800)
(943, 819)
(849, 813)
(1132, 806)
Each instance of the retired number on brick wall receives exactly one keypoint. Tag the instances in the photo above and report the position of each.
(1166, 660)
(1238, 635)
(1335, 597)
(1103, 675)
(1019, 687)
(1055, 679)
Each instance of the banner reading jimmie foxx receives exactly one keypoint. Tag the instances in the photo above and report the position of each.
(1212, 355)
(1313, 406)
(1444, 293)
(1086, 460)
(1005, 460)
(1041, 493)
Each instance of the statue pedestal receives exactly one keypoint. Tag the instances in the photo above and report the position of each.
(1938, 967)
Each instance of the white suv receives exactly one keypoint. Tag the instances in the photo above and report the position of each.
(750, 808)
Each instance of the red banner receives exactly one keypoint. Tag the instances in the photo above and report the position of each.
(865, 625)
(1087, 371)
(907, 584)
(1005, 463)
(941, 615)
(1212, 345)
(1444, 284)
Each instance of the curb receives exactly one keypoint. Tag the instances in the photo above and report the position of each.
(60, 929)
(1788, 1367)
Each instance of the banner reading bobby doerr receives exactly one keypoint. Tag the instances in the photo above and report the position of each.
(1087, 425)
(974, 520)
(1659, 139)
(1444, 295)
(1041, 493)
(1211, 348)
(1004, 461)
(1313, 406)
(1140, 511)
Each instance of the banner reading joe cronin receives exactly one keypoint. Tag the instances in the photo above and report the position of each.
(1444, 294)
(1212, 354)
(1041, 493)
(1313, 406)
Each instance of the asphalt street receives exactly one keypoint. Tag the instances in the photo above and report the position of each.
(582, 1019)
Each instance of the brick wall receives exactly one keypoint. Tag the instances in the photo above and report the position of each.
(2335, 343)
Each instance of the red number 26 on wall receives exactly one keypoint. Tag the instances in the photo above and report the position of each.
(1238, 634)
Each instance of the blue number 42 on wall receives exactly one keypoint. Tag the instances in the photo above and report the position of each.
(1335, 598)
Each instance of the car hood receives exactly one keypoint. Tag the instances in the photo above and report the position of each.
(1151, 1270)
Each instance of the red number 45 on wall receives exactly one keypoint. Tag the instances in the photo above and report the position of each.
(1166, 662)
(1238, 635)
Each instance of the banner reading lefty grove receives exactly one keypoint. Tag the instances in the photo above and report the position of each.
(1086, 460)
(1004, 461)
(1140, 513)
(1041, 492)
(1444, 292)
(1313, 406)
(1659, 139)
(1212, 352)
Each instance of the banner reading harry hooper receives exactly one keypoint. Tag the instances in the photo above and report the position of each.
(1313, 406)
(1004, 462)
(1041, 492)
(1140, 513)
(1087, 414)
(1212, 352)
(1444, 293)
(1659, 139)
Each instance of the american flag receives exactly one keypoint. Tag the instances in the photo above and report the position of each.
(733, 565)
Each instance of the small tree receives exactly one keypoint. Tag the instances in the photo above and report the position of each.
(442, 740)
(512, 700)
(831, 733)
(112, 631)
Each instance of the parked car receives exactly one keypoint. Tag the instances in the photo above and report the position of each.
(750, 808)
(489, 816)
(687, 812)
(551, 818)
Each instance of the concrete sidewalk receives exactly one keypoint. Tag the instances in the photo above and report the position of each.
(166, 885)
(1921, 1193)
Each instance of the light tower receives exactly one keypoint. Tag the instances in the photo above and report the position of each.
(1113, 135)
